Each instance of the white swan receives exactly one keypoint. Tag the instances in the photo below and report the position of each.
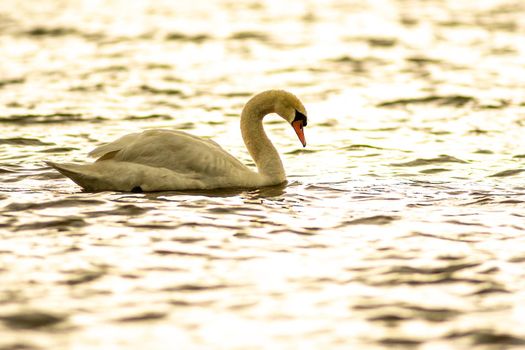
(162, 160)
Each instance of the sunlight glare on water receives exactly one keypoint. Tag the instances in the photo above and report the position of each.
(401, 225)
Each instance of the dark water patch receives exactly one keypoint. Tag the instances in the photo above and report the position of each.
(193, 303)
(356, 61)
(7, 82)
(302, 151)
(356, 65)
(197, 287)
(506, 173)
(224, 210)
(439, 132)
(409, 311)
(452, 100)
(31, 319)
(478, 131)
(328, 123)
(498, 25)
(6, 170)
(48, 175)
(161, 66)
(453, 23)
(408, 20)
(209, 225)
(456, 192)
(459, 222)
(180, 252)
(161, 91)
(50, 31)
(488, 337)
(388, 318)
(383, 129)
(511, 201)
(401, 312)
(490, 290)
(381, 42)
(490, 270)
(484, 151)
(248, 35)
(479, 201)
(503, 50)
(146, 316)
(59, 224)
(127, 210)
(18, 346)
(434, 170)
(21, 141)
(307, 231)
(149, 116)
(87, 88)
(59, 150)
(417, 280)
(445, 238)
(237, 94)
(383, 254)
(195, 38)
(420, 60)
(81, 277)
(358, 147)
(367, 155)
(47, 118)
(111, 69)
(449, 269)
(517, 259)
(56, 32)
(184, 126)
(444, 158)
(186, 240)
(289, 70)
(239, 306)
(372, 220)
(215, 193)
(152, 226)
(61, 203)
(404, 343)
(313, 246)
(432, 314)
(367, 304)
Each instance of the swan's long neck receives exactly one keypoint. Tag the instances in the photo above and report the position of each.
(258, 144)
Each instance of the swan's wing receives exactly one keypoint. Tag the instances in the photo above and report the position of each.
(174, 150)
(114, 146)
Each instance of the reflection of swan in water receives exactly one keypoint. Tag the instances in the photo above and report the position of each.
(161, 160)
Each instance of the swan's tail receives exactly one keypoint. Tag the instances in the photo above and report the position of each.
(108, 175)
(79, 173)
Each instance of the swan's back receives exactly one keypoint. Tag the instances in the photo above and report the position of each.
(174, 150)
(157, 160)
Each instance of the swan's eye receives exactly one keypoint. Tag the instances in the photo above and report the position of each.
(300, 117)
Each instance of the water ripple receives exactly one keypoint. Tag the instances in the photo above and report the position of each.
(400, 226)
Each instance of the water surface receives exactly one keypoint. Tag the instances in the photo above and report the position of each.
(402, 222)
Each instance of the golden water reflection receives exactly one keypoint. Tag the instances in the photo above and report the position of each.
(401, 222)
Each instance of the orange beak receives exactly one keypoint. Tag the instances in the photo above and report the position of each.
(298, 127)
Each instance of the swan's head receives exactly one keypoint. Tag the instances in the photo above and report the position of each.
(290, 108)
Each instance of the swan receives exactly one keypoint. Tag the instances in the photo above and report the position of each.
(163, 160)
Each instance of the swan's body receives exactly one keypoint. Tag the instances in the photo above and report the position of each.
(161, 160)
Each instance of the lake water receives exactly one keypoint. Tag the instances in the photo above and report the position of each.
(402, 223)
